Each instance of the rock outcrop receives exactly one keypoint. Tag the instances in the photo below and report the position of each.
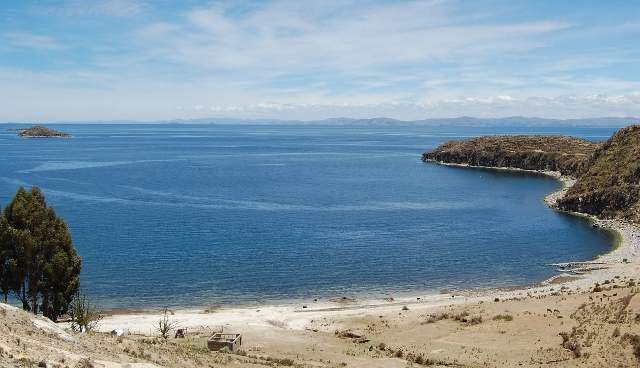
(552, 153)
(610, 187)
(607, 174)
(39, 131)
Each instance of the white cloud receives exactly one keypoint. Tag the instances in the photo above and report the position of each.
(31, 96)
(315, 59)
(283, 36)
(30, 41)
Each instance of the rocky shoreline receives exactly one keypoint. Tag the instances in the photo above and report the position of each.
(566, 155)
(607, 174)
(626, 251)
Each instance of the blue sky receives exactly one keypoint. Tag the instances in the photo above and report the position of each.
(153, 60)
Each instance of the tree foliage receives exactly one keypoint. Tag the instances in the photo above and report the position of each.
(38, 262)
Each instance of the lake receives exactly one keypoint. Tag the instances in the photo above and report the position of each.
(197, 215)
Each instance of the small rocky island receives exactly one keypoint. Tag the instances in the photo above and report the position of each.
(39, 131)
(607, 175)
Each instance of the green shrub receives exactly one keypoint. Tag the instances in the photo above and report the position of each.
(503, 317)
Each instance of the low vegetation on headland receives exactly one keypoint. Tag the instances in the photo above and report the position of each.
(39, 131)
(567, 155)
(610, 186)
(607, 174)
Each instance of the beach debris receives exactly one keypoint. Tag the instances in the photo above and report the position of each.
(227, 341)
(579, 268)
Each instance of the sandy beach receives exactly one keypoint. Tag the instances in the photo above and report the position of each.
(312, 330)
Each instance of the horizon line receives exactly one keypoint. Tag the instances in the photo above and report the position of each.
(345, 119)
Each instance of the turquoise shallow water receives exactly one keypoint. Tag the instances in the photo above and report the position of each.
(194, 215)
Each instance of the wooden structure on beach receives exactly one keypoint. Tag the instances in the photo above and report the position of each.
(218, 341)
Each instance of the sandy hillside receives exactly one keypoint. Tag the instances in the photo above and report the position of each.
(597, 326)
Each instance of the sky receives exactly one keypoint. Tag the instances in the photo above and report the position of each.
(146, 60)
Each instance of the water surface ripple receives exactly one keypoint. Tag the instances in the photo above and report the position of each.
(194, 215)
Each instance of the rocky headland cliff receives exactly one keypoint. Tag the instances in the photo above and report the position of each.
(610, 186)
(567, 155)
(607, 174)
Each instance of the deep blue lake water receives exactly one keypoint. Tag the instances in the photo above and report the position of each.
(196, 215)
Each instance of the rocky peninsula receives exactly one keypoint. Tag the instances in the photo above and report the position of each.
(606, 175)
(566, 155)
(39, 131)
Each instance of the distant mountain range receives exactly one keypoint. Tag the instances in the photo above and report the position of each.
(459, 121)
(383, 121)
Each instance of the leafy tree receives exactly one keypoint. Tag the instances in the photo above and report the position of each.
(37, 259)
(7, 237)
(61, 272)
(25, 214)
(12, 243)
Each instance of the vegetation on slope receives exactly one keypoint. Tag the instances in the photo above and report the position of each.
(32, 341)
(554, 153)
(610, 187)
(608, 174)
(38, 262)
(39, 131)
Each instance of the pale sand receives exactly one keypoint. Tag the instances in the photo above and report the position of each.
(295, 317)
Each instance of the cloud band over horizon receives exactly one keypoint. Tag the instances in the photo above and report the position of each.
(157, 60)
